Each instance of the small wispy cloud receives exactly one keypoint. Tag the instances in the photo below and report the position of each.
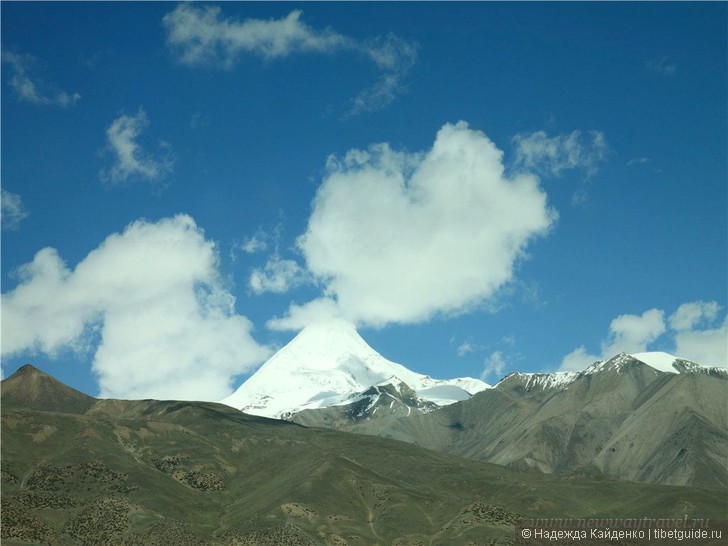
(31, 89)
(201, 36)
(278, 276)
(494, 366)
(395, 57)
(266, 237)
(13, 210)
(130, 160)
(465, 348)
(253, 244)
(198, 120)
(638, 161)
(552, 155)
(662, 65)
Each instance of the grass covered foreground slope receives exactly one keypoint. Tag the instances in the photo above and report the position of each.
(164, 472)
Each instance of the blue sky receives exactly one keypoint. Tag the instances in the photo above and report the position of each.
(481, 187)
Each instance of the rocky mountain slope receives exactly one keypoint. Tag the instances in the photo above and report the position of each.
(380, 404)
(146, 472)
(328, 364)
(661, 421)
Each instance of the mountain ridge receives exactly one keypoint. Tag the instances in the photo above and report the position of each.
(622, 417)
(150, 472)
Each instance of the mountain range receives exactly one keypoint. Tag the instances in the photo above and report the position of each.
(85, 471)
(647, 417)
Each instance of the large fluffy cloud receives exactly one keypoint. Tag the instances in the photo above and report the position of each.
(398, 237)
(150, 301)
(693, 334)
(202, 36)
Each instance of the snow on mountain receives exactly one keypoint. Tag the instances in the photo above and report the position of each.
(325, 365)
(469, 384)
(549, 380)
(388, 394)
(615, 363)
(662, 362)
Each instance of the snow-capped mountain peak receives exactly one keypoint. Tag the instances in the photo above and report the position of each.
(662, 362)
(322, 345)
(327, 363)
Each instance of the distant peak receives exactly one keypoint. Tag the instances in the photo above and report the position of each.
(32, 388)
(27, 369)
(662, 362)
(27, 372)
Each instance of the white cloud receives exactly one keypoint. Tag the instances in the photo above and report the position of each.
(468, 346)
(537, 151)
(13, 211)
(627, 334)
(253, 244)
(494, 365)
(662, 65)
(697, 337)
(131, 161)
(298, 316)
(396, 56)
(706, 344)
(465, 348)
(632, 333)
(638, 161)
(202, 36)
(262, 239)
(277, 276)
(690, 314)
(31, 89)
(577, 360)
(398, 238)
(152, 304)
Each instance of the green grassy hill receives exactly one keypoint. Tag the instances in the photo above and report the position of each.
(164, 472)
